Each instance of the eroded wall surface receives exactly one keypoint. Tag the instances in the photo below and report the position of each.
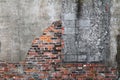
(114, 29)
(21, 21)
(87, 34)
(91, 27)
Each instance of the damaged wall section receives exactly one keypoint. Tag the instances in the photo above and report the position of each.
(86, 30)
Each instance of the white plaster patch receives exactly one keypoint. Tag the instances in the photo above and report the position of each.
(70, 16)
(84, 23)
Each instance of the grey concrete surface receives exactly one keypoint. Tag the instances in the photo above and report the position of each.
(114, 29)
(89, 33)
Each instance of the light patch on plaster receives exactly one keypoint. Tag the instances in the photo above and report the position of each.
(51, 12)
(36, 7)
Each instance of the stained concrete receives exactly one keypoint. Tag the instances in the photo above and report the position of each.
(87, 39)
(114, 30)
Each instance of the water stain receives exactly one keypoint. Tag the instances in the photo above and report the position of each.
(79, 8)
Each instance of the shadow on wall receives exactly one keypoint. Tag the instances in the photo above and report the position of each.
(79, 8)
(0, 46)
(118, 54)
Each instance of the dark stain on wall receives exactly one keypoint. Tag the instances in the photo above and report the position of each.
(0, 46)
(118, 53)
(79, 8)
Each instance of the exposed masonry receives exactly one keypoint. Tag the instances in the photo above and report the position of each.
(23, 20)
(44, 61)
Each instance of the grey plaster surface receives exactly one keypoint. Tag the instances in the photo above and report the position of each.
(21, 21)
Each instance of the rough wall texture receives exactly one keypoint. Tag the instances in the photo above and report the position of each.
(86, 30)
(114, 29)
(21, 21)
